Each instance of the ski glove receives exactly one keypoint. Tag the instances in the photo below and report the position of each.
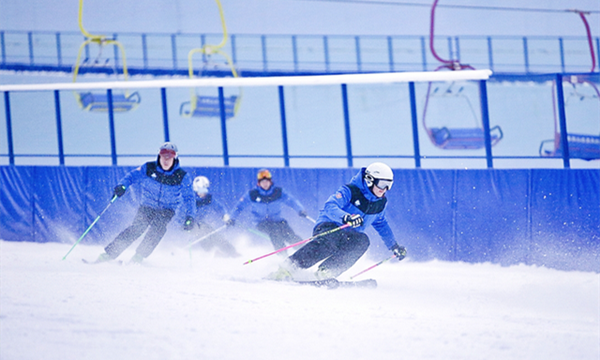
(302, 213)
(354, 220)
(230, 222)
(120, 190)
(188, 224)
(399, 251)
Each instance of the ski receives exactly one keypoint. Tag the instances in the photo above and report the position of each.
(334, 283)
(117, 262)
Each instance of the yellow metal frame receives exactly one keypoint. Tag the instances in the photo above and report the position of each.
(209, 49)
(101, 40)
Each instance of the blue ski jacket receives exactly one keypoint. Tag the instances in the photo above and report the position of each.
(266, 204)
(161, 189)
(357, 198)
(209, 208)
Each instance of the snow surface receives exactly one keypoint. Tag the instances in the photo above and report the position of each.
(204, 307)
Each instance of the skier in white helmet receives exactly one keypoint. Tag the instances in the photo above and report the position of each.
(360, 203)
(209, 211)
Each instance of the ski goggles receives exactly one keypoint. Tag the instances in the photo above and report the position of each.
(263, 174)
(167, 153)
(383, 183)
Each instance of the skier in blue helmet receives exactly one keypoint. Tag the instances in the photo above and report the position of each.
(361, 203)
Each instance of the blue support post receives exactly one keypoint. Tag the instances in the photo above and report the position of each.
(450, 49)
(390, 53)
(58, 50)
(3, 47)
(263, 43)
(490, 53)
(598, 53)
(457, 42)
(295, 52)
(174, 51)
(223, 127)
(562, 118)
(415, 123)
(485, 119)
(116, 52)
(347, 125)
(562, 54)
(423, 53)
(284, 138)
(30, 44)
(165, 113)
(145, 51)
(9, 136)
(202, 42)
(233, 52)
(326, 52)
(59, 133)
(111, 126)
(526, 55)
(358, 59)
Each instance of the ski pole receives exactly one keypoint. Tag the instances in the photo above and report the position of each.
(373, 266)
(299, 243)
(90, 227)
(259, 233)
(311, 219)
(206, 236)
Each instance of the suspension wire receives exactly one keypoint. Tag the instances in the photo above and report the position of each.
(468, 7)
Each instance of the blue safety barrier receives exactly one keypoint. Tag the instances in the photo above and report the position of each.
(545, 217)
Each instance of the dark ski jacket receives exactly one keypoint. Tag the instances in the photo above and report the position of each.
(162, 189)
(208, 208)
(357, 198)
(266, 205)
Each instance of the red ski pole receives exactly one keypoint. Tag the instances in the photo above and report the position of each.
(299, 243)
(373, 266)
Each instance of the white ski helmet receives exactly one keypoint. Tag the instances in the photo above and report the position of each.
(201, 185)
(379, 174)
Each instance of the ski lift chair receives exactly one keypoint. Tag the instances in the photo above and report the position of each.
(98, 101)
(581, 146)
(586, 147)
(459, 138)
(463, 138)
(208, 106)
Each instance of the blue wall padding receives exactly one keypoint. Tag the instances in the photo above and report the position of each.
(546, 217)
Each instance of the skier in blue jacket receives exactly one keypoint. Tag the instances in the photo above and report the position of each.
(361, 204)
(164, 188)
(266, 202)
(210, 211)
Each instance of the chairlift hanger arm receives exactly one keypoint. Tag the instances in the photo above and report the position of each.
(93, 38)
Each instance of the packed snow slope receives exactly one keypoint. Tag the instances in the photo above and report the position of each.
(179, 305)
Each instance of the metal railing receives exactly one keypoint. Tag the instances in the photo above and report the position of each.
(281, 121)
(255, 55)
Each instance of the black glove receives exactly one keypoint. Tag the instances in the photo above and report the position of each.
(188, 224)
(120, 190)
(354, 220)
(302, 213)
(230, 222)
(399, 251)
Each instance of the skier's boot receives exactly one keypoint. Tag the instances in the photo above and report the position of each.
(136, 259)
(323, 273)
(104, 257)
